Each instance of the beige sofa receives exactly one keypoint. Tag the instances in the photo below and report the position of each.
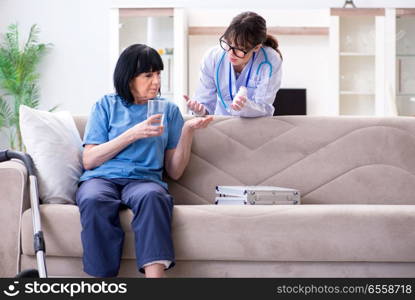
(357, 217)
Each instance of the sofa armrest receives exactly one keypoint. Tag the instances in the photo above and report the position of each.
(14, 199)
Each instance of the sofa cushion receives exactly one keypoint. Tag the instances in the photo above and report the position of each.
(372, 233)
(53, 141)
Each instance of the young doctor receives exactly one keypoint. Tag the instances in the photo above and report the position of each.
(243, 75)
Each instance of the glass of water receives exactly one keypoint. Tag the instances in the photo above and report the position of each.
(156, 107)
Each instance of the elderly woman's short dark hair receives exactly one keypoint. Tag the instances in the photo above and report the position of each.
(133, 61)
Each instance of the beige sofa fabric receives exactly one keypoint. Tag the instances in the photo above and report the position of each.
(346, 160)
(257, 233)
(72, 267)
(12, 184)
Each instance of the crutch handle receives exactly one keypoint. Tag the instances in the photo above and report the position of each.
(24, 157)
(3, 155)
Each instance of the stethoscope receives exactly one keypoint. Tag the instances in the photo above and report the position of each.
(266, 62)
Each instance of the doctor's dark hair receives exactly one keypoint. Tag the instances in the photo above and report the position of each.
(249, 29)
(133, 61)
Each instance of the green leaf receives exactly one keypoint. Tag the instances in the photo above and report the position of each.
(5, 113)
(53, 108)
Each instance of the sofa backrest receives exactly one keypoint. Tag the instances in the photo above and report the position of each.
(331, 160)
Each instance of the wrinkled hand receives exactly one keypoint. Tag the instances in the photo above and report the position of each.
(195, 106)
(148, 128)
(238, 103)
(198, 122)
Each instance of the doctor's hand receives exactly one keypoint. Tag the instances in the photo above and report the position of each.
(196, 107)
(148, 128)
(238, 103)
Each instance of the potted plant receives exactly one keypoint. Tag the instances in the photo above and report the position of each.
(18, 79)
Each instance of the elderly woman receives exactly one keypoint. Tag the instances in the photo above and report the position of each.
(124, 156)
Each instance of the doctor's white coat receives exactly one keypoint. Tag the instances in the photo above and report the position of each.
(262, 86)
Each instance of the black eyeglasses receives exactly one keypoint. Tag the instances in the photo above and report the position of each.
(238, 52)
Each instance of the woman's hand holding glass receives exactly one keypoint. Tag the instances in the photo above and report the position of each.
(198, 108)
(148, 128)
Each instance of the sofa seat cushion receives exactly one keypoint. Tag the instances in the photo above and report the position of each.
(372, 233)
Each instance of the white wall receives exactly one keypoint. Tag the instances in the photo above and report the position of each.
(261, 4)
(75, 72)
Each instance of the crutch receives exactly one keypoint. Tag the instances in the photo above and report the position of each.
(39, 241)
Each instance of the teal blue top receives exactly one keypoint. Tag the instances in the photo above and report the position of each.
(144, 158)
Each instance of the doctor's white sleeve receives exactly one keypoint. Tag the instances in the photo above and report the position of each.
(206, 90)
(261, 104)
